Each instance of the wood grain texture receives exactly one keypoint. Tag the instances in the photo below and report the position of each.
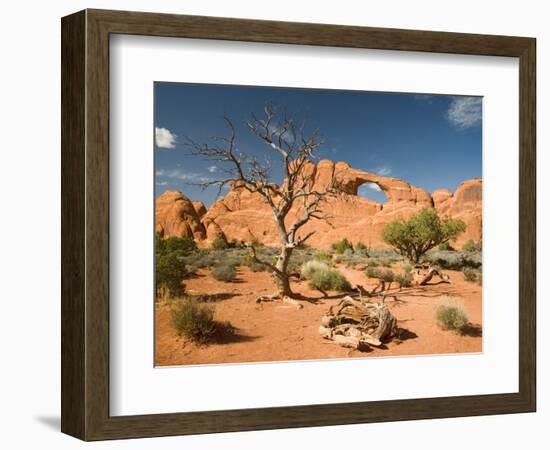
(85, 224)
(73, 226)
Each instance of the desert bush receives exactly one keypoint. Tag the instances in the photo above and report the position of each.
(404, 279)
(386, 262)
(170, 272)
(446, 247)
(454, 260)
(258, 267)
(423, 231)
(374, 272)
(388, 276)
(193, 320)
(341, 246)
(329, 280)
(373, 262)
(361, 248)
(184, 245)
(309, 268)
(234, 260)
(451, 315)
(219, 244)
(256, 243)
(348, 252)
(469, 274)
(224, 272)
(471, 246)
(325, 257)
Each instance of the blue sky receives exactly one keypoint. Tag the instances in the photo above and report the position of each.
(430, 141)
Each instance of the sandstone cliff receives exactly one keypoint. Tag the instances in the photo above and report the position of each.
(242, 216)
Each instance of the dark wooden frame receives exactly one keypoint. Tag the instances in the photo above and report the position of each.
(85, 224)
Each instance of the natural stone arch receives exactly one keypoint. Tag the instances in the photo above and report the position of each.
(373, 192)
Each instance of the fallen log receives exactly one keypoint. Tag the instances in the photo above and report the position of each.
(423, 274)
(357, 324)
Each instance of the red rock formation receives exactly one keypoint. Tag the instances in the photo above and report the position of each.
(243, 216)
(465, 204)
(175, 215)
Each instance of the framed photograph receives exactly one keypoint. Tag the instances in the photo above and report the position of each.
(273, 225)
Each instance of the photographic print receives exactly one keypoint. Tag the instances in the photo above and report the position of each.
(300, 224)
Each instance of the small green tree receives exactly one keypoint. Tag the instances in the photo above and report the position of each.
(219, 244)
(180, 245)
(170, 272)
(423, 231)
(471, 246)
(341, 246)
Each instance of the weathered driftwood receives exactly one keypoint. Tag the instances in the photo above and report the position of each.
(358, 324)
(277, 296)
(423, 274)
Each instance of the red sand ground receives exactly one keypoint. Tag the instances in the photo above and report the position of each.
(276, 331)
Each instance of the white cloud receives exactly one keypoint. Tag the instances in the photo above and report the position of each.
(465, 112)
(162, 183)
(179, 174)
(383, 171)
(164, 138)
(213, 169)
(373, 186)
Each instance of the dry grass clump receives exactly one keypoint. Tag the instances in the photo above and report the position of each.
(195, 321)
(224, 272)
(322, 278)
(309, 268)
(451, 314)
(470, 274)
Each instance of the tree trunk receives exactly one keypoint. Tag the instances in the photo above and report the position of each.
(282, 278)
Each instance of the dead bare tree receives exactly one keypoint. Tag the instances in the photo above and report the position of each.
(293, 148)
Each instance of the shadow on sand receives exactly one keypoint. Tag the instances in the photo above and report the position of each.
(228, 334)
(473, 330)
(404, 335)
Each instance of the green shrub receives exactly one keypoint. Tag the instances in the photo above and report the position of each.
(446, 247)
(183, 246)
(194, 320)
(256, 243)
(471, 246)
(374, 272)
(219, 244)
(258, 267)
(170, 272)
(325, 257)
(424, 230)
(454, 260)
(451, 315)
(341, 246)
(386, 262)
(373, 262)
(404, 279)
(360, 247)
(387, 276)
(224, 272)
(329, 280)
(469, 274)
(309, 268)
